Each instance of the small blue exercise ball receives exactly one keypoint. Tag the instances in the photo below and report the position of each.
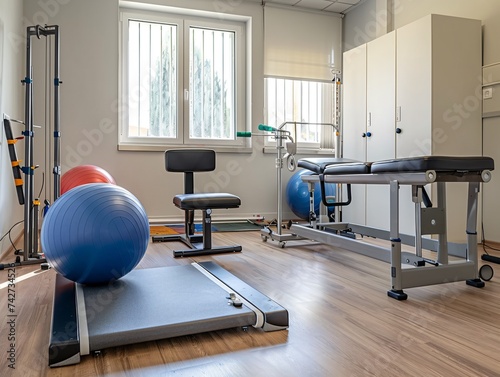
(297, 194)
(95, 233)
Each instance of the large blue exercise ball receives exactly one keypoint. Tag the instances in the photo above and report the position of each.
(95, 233)
(297, 194)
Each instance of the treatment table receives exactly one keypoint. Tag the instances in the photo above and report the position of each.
(408, 269)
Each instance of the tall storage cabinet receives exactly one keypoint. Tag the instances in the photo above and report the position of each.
(435, 96)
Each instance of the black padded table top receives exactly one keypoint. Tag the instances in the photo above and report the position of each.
(318, 164)
(436, 163)
(349, 168)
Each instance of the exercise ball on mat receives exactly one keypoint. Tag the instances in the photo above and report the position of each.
(83, 174)
(297, 194)
(95, 233)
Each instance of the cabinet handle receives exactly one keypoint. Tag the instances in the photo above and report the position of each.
(368, 134)
(398, 130)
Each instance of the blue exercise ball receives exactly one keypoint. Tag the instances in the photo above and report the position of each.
(95, 233)
(297, 194)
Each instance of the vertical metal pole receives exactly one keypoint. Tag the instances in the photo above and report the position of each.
(28, 147)
(417, 199)
(279, 166)
(312, 214)
(442, 253)
(396, 270)
(471, 229)
(338, 152)
(57, 119)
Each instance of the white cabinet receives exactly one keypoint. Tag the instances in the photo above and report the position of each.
(423, 81)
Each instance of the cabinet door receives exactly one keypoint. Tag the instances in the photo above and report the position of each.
(413, 91)
(354, 103)
(380, 97)
(354, 124)
(380, 123)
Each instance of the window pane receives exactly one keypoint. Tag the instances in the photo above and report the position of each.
(152, 80)
(211, 84)
(299, 101)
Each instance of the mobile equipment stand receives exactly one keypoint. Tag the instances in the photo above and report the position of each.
(284, 140)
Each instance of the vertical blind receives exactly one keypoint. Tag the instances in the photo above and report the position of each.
(301, 44)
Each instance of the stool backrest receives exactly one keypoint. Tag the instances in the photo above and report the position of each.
(189, 161)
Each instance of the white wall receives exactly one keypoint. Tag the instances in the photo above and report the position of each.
(369, 20)
(488, 11)
(89, 71)
(11, 72)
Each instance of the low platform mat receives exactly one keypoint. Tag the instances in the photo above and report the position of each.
(151, 304)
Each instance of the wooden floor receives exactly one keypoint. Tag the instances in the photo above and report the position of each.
(341, 322)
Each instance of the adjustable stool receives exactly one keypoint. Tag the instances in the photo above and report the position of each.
(189, 161)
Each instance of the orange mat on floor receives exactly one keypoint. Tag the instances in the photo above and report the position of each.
(160, 230)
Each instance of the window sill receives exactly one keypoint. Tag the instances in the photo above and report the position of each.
(301, 151)
(163, 148)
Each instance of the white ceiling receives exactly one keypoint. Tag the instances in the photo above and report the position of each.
(337, 6)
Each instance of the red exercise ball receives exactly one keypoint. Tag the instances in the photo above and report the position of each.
(83, 174)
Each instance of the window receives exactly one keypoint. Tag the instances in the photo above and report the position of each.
(304, 101)
(183, 81)
(299, 66)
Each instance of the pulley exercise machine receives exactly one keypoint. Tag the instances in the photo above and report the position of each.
(25, 190)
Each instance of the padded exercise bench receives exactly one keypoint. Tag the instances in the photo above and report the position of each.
(417, 172)
(189, 161)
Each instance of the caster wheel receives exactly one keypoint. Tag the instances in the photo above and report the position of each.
(486, 272)
(282, 244)
(264, 238)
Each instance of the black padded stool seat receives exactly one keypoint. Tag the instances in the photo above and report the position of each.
(437, 163)
(206, 201)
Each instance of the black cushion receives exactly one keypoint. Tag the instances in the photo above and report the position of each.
(437, 163)
(189, 160)
(204, 201)
(349, 168)
(318, 164)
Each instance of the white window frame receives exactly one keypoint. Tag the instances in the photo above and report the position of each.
(184, 19)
